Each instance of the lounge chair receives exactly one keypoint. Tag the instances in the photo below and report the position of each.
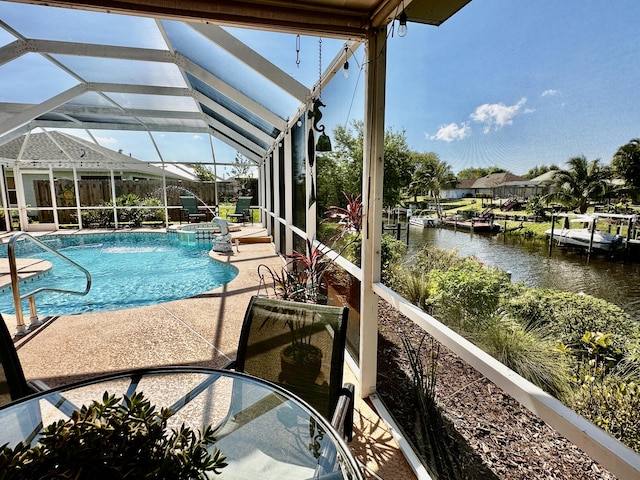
(270, 329)
(190, 208)
(242, 211)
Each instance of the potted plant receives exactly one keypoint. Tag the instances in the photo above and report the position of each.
(349, 217)
(300, 361)
(300, 279)
(115, 438)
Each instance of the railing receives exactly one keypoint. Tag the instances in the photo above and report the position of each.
(595, 442)
(15, 287)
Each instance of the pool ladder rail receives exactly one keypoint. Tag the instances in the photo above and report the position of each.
(21, 328)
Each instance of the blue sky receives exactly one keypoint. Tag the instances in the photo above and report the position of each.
(512, 84)
(519, 84)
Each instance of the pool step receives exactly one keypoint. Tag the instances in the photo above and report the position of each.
(28, 269)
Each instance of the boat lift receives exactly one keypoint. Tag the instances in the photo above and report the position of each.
(592, 219)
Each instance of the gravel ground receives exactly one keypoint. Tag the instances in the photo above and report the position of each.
(489, 433)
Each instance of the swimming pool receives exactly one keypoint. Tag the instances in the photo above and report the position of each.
(127, 270)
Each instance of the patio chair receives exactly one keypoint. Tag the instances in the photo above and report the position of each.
(190, 208)
(273, 330)
(242, 211)
(13, 384)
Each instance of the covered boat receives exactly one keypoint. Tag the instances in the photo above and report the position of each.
(581, 237)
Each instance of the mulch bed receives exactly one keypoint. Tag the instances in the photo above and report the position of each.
(494, 436)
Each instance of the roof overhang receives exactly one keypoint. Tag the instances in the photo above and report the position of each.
(340, 18)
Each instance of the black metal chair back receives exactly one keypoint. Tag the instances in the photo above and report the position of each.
(12, 381)
(299, 346)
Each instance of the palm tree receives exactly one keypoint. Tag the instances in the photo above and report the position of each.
(581, 182)
(626, 163)
(433, 177)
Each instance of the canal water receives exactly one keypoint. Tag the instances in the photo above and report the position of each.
(529, 262)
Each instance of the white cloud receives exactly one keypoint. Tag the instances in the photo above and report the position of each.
(451, 132)
(197, 137)
(107, 140)
(550, 92)
(496, 115)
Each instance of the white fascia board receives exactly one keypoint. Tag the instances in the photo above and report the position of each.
(252, 59)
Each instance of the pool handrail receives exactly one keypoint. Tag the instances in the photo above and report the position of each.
(21, 328)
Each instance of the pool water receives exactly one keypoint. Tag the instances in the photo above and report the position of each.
(127, 270)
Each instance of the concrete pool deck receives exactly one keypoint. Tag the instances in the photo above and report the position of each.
(202, 330)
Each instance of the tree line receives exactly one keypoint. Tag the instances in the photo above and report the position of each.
(411, 174)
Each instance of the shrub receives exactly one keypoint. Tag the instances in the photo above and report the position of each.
(130, 211)
(531, 352)
(392, 252)
(467, 293)
(99, 218)
(629, 366)
(569, 315)
(611, 404)
(536, 206)
(414, 286)
(152, 214)
(430, 258)
(115, 439)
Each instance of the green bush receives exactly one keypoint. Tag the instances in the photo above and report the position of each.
(629, 367)
(537, 207)
(611, 404)
(569, 315)
(467, 293)
(129, 212)
(530, 352)
(430, 258)
(116, 438)
(392, 252)
(414, 286)
(583, 350)
(99, 218)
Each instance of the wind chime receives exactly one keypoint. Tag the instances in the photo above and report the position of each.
(324, 142)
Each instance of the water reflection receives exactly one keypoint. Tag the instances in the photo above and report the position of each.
(528, 261)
